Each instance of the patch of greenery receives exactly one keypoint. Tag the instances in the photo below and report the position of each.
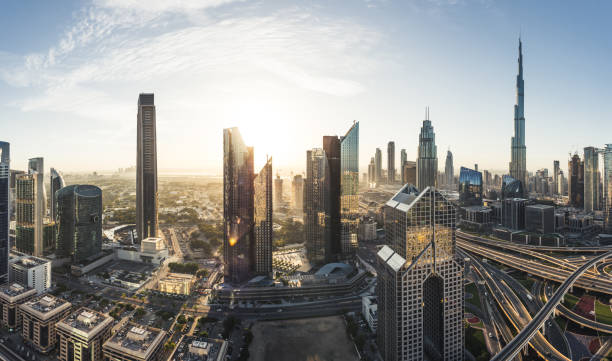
(603, 313)
(191, 268)
(475, 299)
(570, 301)
(475, 343)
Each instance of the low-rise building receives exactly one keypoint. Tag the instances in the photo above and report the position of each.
(369, 310)
(540, 218)
(39, 317)
(177, 283)
(82, 334)
(30, 271)
(513, 213)
(200, 349)
(134, 342)
(152, 245)
(11, 296)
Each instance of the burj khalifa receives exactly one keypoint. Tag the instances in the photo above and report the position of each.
(518, 162)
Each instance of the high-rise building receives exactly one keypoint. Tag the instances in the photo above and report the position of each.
(391, 162)
(513, 213)
(332, 204)
(82, 335)
(238, 248)
(575, 178)
(420, 279)
(607, 188)
(349, 183)
(403, 160)
(591, 179)
(378, 162)
(410, 173)
(297, 190)
(30, 204)
(540, 218)
(278, 192)
(511, 188)
(79, 222)
(372, 172)
(5, 212)
(146, 172)
(135, 342)
(470, 187)
(556, 171)
(57, 183)
(449, 170)
(427, 160)
(262, 203)
(518, 163)
(30, 271)
(314, 205)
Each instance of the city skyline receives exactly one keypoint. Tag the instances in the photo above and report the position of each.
(30, 69)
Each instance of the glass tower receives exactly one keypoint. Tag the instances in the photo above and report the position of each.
(470, 187)
(57, 183)
(146, 172)
(314, 203)
(591, 179)
(333, 192)
(30, 209)
(349, 200)
(511, 188)
(449, 170)
(391, 162)
(427, 160)
(263, 220)
(378, 164)
(518, 163)
(575, 180)
(420, 279)
(79, 222)
(5, 166)
(238, 238)
(607, 187)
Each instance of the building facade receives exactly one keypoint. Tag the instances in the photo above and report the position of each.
(420, 279)
(5, 209)
(391, 162)
(575, 181)
(30, 271)
(146, 168)
(39, 318)
(607, 188)
(134, 342)
(349, 184)
(30, 209)
(410, 173)
(263, 220)
(470, 187)
(56, 183)
(403, 160)
(540, 218)
(449, 170)
(297, 190)
(332, 193)
(314, 200)
(378, 163)
(278, 192)
(11, 296)
(518, 162)
(591, 179)
(427, 160)
(82, 335)
(79, 222)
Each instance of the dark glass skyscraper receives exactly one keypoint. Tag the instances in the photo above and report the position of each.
(427, 160)
(470, 187)
(333, 190)
(575, 179)
(238, 212)
(391, 162)
(518, 151)
(57, 183)
(5, 166)
(591, 179)
(146, 172)
(79, 222)
(403, 160)
(349, 200)
(263, 220)
(30, 209)
(378, 164)
(511, 188)
(314, 205)
(607, 187)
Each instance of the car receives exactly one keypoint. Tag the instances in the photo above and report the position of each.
(279, 310)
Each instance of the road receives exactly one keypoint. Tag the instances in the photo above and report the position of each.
(604, 350)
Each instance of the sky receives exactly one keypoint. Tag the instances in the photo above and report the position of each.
(289, 72)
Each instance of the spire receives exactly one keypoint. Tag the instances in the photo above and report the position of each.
(520, 59)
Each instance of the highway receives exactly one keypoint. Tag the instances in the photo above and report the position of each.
(515, 346)
(547, 248)
(604, 350)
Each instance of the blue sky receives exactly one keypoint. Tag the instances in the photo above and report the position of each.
(288, 73)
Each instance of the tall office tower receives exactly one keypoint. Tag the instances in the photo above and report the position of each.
(262, 186)
(410, 175)
(57, 183)
(511, 188)
(13, 191)
(391, 162)
(575, 181)
(420, 279)
(470, 187)
(30, 205)
(5, 215)
(349, 183)
(297, 188)
(427, 160)
(146, 172)
(560, 183)
(314, 205)
(607, 188)
(449, 170)
(333, 191)
(591, 179)
(487, 180)
(403, 160)
(79, 222)
(372, 171)
(238, 175)
(278, 192)
(518, 163)
(378, 161)
(556, 171)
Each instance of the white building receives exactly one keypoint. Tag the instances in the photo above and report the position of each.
(30, 271)
(369, 310)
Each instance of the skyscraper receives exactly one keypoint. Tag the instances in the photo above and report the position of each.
(372, 171)
(378, 162)
(427, 160)
(57, 183)
(278, 192)
(449, 170)
(30, 204)
(349, 200)
(79, 222)
(391, 162)
(333, 190)
(238, 175)
(518, 163)
(607, 186)
(297, 188)
(556, 171)
(420, 279)
(403, 160)
(470, 187)
(5, 216)
(575, 180)
(410, 174)
(146, 172)
(314, 205)
(263, 220)
(591, 179)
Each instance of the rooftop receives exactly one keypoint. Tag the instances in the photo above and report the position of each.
(85, 320)
(27, 261)
(15, 290)
(136, 340)
(194, 348)
(541, 206)
(46, 304)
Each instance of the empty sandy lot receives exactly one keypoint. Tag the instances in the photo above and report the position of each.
(311, 339)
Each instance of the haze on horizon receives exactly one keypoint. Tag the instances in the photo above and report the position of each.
(287, 74)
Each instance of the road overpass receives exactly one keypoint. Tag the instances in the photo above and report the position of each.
(601, 249)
